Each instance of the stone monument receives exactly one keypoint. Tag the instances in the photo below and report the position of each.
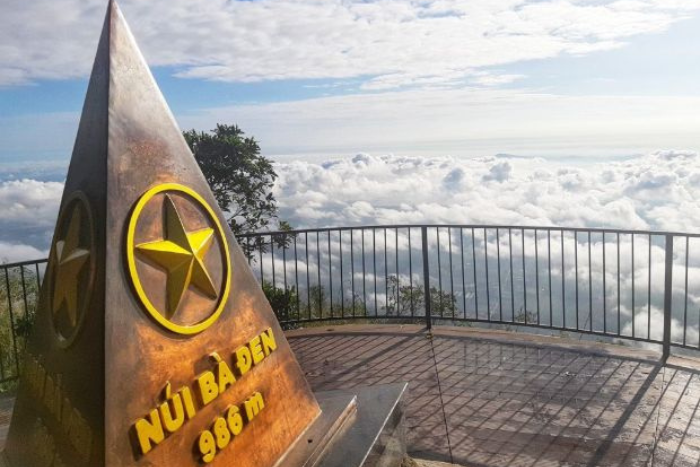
(153, 343)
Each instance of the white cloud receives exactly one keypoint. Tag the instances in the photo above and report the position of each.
(466, 121)
(28, 210)
(14, 252)
(657, 192)
(394, 42)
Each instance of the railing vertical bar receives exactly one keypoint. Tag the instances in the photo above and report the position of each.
(634, 327)
(464, 281)
(498, 269)
(426, 277)
(308, 278)
(488, 292)
(398, 277)
(537, 279)
(549, 267)
(605, 292)
(272, 258)
(522, 241)
(437, 233)
(619, 299)
(296, 274)
(260, 253)
(342, 283)
(320, 289)
(452, 282)
(10, 309)
(374, 268)
(578, 322)
(668, 297)
(649, 292)
(364, 276)
(330, 274)
(685, 309)
(563, 283)
(38, 282)
(3, 373)
(476, 288)
(410, 271)
(352, 270)
(512, 281)
(24, 294)
(590, 285)
(284, 262)
(386, 275)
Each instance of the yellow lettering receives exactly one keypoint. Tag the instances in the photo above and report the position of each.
(256, 350)
(268, 341)
(253, 405)
(243, 360)
(234, 420)
(208, 389)
(189, 403)
(225, 376)
(207, 446)
(221, 433)
(149, 433)
(173, 403)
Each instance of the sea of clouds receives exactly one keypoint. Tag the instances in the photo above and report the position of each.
(657, 191)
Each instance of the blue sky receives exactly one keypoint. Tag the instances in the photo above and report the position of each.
(449, 77)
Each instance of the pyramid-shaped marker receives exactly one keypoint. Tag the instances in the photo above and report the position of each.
(153, 344)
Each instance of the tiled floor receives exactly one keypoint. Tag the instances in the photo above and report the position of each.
(480, 401)
(484, 399)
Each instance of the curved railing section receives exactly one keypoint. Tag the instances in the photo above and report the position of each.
(623, 284)
(620, 284)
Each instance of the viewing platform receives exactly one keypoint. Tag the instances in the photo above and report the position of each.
(522, 346)
(489, 398)
(486, 398)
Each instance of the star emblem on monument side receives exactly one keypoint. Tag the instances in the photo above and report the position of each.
(70, 261)
(181, 254)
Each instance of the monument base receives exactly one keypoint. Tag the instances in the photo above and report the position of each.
(359, 428)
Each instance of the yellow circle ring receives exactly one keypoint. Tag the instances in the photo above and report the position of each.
(131, 261)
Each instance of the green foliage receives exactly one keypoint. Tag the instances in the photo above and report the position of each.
(407, 300)
(22, 296)
(283, 301)
(241, 181)
(290, 304)
(529, 317)
(240, 178)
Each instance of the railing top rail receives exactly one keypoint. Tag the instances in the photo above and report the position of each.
(18, 264)
(475, 226)
(418, 226)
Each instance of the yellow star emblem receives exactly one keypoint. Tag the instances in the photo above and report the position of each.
(181, 254)
(70, 260)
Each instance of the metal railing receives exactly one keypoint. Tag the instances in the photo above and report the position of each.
(619, 284)
(19, 293)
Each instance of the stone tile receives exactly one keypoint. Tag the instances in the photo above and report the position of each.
(514, 404)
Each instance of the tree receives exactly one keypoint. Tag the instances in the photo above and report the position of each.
(405, 300)
(240, 178)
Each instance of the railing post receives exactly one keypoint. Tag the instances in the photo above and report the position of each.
(426, 277)
(668, 295)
